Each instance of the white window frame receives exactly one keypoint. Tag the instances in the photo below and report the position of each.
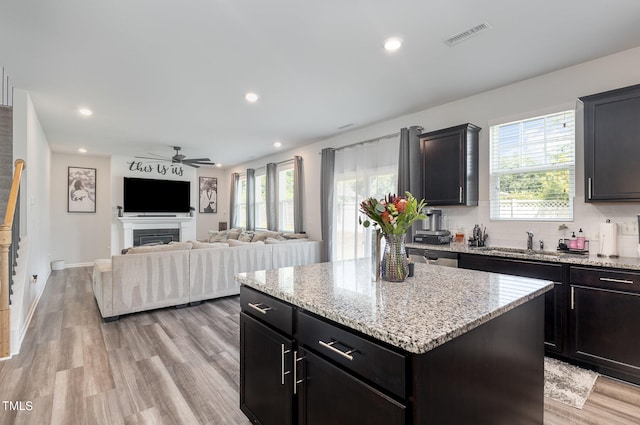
(241, 201)
(285, 220)
(517, 210)
(260, 202)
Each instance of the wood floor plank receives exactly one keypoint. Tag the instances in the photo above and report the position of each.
(68, 400)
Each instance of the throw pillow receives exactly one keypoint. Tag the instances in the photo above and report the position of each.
(264, 234)
(221, 236)
(235, 232)
(245, 236)
(295, 235)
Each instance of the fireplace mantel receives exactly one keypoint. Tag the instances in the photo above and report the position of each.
(129, 223)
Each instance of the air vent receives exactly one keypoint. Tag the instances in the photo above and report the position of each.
(465, 35)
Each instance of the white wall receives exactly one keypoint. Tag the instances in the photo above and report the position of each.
(80, 238)
(30, 144)
(542, 94)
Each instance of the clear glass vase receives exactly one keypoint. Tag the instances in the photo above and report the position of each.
(394, 266)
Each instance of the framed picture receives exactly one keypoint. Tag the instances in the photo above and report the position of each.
(81, 195)
(208, 195)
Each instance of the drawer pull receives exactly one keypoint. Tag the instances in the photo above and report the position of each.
(610, 279)
(283, 352)
(258, 307)
(296, 381)
(345, 354)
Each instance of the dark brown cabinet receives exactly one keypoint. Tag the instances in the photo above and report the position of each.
(554, 308)
(450, 165)
(605, 312)
(266, 394)
(332, 396)
(612, 145)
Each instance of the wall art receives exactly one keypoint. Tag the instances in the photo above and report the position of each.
(81, 194)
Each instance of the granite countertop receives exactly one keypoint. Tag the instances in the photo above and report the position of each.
(629, 263)
(417, 315)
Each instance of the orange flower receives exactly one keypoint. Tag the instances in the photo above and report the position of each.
(386, 217)
(401, 205)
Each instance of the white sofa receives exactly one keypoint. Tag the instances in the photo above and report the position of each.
(143, 281)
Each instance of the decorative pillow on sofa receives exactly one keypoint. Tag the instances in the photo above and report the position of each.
(261, 235)
(246, 236)
(220, 236)
(172, 246)
(295, 235)
(233, 242)
(235, 232)
(205, 245)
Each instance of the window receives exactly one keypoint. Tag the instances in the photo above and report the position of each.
(361, 171)
(532, 168)
(285, 198)
(241, 199)
(261, 200)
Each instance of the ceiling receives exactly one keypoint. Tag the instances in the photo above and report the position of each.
(159, 73)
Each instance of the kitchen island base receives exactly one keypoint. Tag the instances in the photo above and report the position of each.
(492, 374)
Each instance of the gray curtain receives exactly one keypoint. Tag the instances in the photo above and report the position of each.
(272, 201)
(233, 212)
(298, 184)
(409, 166)
(251, 199)
(327, 167)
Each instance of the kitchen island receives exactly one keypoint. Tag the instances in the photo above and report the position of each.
(324, 344)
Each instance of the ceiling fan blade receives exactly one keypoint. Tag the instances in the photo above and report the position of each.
(191, 165)
(197, 160)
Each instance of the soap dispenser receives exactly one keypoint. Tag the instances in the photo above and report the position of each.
(580, 240)
(573, 243)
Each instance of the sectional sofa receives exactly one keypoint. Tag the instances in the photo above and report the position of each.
(177, 274)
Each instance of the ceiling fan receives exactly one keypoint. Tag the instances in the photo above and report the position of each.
(178, 158)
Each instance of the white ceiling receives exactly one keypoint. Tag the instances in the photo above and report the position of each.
(158, 73)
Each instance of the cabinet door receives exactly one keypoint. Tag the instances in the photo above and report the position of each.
(329, 395)
(266, 386)
(554, 307)
(605, 328)
(450, 165)
(443, 168)
(611, 126)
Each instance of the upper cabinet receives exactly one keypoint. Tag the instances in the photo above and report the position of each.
(612, 145)
(450, 165)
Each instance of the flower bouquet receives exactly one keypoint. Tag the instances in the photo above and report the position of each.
(394, 215)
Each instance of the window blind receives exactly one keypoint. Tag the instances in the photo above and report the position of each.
(532, 168)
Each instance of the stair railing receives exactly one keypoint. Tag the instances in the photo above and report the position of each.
(7, 238)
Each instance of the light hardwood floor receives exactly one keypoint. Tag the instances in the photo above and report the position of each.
(168, 366)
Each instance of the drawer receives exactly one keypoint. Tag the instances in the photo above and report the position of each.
(267, 309)
(369, 360)
(524, 268)
(606, 278)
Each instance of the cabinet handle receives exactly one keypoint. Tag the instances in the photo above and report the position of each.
(282, 353)
(610, 279)
(573, 298)
(257, 307)
(461, 193)
(296, 359)
(345, 354)
(590, 187)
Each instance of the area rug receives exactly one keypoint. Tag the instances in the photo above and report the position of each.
(566, 383)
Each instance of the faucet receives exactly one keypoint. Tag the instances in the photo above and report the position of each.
(530, 241)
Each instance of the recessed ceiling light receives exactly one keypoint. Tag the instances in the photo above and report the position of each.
(392, 44)
(251, 97)
(82, 150)
(277, 144)
(85, 112)
(218, 165)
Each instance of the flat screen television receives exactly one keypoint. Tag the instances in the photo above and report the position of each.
(156, 196)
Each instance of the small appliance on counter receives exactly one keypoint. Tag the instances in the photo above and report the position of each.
(478, 236)
(433, 235)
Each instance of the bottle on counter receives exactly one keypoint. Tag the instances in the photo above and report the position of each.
(573, 242)
(580, 240)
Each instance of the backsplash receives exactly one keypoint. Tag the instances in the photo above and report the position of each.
(512, 234)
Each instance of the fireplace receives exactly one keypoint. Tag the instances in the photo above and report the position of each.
(157, 229)
(147, 236)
